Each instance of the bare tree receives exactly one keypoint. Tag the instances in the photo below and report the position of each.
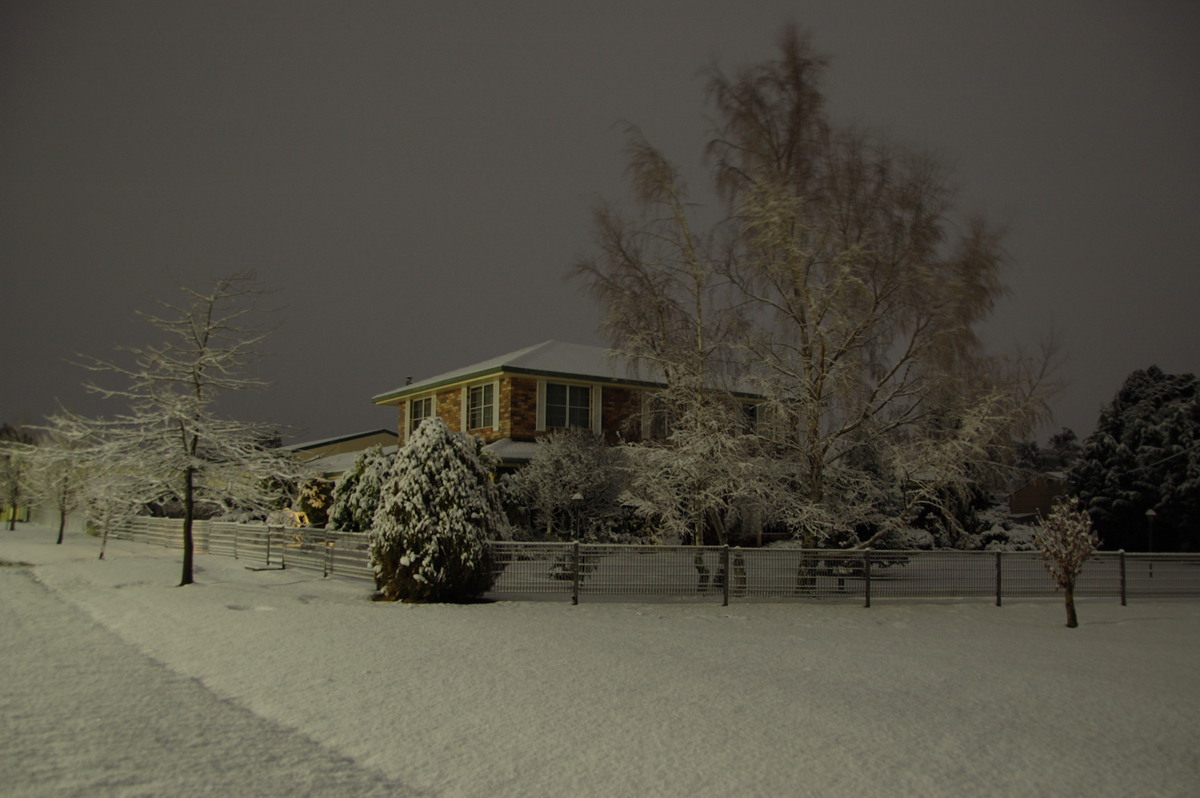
(1066, 541)
(836, 289)
(17, 446)
(60, 465)
(172, 435)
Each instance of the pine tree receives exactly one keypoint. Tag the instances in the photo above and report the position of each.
(1145, 455)
(429, 537)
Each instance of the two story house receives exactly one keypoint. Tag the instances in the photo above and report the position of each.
(512, 399)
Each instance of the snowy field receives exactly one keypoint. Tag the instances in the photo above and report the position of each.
(116, 682)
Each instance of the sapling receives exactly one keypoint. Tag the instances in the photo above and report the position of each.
(1066, 540)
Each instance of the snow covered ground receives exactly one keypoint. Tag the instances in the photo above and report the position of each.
(281, 682)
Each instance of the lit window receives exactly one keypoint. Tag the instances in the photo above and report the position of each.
(568, 406)
(481, 406)
(419, 410)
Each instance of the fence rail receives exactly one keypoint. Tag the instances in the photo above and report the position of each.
(575, 570)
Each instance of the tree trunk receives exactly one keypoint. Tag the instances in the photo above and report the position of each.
(1069, 597)
(189, 504)
(62, 525)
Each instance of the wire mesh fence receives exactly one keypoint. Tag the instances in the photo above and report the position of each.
(574, 571)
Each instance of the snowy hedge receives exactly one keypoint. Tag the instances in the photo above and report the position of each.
(439, 507)
(356, 497)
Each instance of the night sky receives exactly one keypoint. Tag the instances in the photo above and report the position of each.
(415, 181)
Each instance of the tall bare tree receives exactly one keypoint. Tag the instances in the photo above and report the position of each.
(839, 287)
(172, 434)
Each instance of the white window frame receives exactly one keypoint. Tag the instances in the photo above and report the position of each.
(493, 423)
(408, 413)
(595, 398)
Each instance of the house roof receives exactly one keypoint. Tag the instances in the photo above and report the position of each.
(334, 465)
(549, 358)
(300, 447)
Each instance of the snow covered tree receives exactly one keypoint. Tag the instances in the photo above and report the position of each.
(428, 541)
(62, 465)
(171, 433)
(17, 447)
(1145, 455)
(1066, 540)
(572, 484)
(835, 289)
(356, 495)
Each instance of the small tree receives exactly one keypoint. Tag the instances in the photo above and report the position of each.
(356, 495)
(62, 464)
(172, 432)
(1066, 540)
(429, 537)
(17, 447)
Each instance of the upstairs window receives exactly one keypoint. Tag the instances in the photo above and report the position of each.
(418, 411)
(568, 406)
(481, 406)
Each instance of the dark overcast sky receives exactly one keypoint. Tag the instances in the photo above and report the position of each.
(416, 180)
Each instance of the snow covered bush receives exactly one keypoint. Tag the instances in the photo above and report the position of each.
(356, 496)
(1066, 540)
(572, 489)
(429, 536)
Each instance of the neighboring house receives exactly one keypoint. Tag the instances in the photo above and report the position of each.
(1037, 496)
(512, 399)
(332, 457)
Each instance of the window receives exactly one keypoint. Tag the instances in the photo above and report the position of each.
(568, 406)
(481, 406)
(418, 411)
(657, 423)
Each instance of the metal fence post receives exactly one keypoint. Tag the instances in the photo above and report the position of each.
(1121, 560)
(725, 572)
(998, 579)
(575, 573)
(867, 577)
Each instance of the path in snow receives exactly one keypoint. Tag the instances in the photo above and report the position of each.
(107, 720)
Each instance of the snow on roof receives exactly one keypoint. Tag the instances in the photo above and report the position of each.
(299, 447)
(510, 451)
(549, 357)
(335, 465)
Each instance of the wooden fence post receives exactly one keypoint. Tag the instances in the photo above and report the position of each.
(725, 571)
(1122, 567)
(575, 573)
(998, 579)
(867, 577)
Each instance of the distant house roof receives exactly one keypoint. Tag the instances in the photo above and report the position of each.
(334, 465)
(549, 358)
(300, 447)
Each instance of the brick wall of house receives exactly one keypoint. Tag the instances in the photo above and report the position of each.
(402, 420)
(621, 414)
(518, 408)
(449, 407)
